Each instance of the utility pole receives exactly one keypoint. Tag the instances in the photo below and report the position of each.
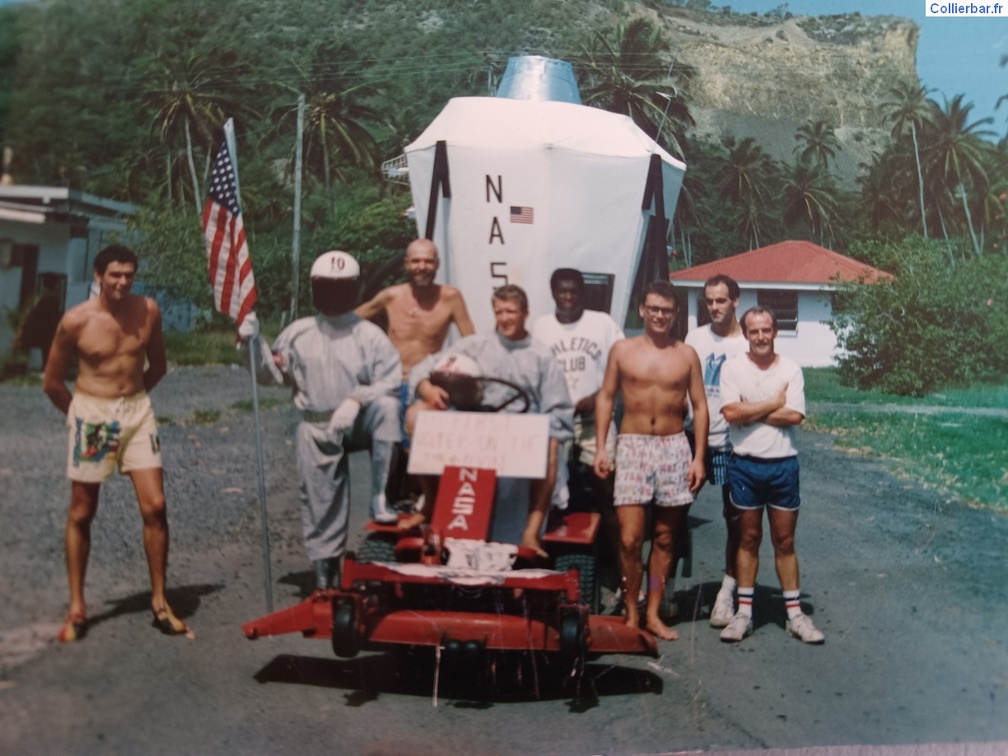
(296, 235)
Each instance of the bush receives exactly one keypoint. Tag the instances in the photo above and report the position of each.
(932, 326)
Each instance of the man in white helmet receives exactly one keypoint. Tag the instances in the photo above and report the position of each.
(344, 375)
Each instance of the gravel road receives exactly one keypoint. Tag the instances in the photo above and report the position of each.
(908, 587)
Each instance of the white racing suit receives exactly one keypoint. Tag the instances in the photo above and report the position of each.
(328, 359)
(527, 363)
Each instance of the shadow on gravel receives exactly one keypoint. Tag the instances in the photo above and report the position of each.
(513, 678)
(303, 581)
(184, 601)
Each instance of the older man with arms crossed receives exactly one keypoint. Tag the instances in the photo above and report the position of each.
(763, 400)
(656, 374)
(111, 423)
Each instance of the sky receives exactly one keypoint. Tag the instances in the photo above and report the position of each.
(955, 55)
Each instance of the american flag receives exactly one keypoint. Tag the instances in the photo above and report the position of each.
(230, 266)
(522, 214)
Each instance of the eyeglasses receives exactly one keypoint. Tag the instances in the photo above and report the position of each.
(654, 310)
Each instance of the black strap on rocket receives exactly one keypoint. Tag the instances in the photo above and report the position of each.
(440, 186)
(654, 263)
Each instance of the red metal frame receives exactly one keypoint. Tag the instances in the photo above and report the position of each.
(540, 601)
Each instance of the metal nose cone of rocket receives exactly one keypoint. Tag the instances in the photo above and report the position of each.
(533, 77)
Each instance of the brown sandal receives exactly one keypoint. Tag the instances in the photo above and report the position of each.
(164, 620)
(74, 629)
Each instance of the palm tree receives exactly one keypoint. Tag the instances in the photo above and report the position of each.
(888, 188)
(630, 74)
(191, 96)
(956, 155)
(817, 142)
(809, 196)
(909, 107)
(745, 180)
(1004, 97)
(336, 109)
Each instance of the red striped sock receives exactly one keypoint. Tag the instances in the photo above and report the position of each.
(793, 604)
(745, 596)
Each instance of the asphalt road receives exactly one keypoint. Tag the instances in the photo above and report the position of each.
(908, 587)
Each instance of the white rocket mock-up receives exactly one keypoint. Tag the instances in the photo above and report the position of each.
(514, 186)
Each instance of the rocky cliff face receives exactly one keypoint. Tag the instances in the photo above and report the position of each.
(764, 77)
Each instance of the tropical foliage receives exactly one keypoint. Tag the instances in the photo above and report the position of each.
(125, 99)
(630, 71)
(929, 327)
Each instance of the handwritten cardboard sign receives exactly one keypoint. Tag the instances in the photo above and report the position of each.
(515, 446)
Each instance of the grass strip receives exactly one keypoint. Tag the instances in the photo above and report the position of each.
(958, 454)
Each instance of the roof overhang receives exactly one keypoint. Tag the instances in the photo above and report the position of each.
(49, 201)
(698, 283)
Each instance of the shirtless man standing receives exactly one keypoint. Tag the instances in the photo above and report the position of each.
(111, 423)
(655, 373)
(419, 311)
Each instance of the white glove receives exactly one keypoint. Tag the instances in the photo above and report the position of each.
(249, 327)
(343, 417)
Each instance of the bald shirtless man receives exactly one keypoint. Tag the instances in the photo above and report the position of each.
(653, 460)
(111, 423)
(419, 311)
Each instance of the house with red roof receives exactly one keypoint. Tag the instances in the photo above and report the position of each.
(795, 279)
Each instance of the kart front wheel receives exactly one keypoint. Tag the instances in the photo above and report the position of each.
(346, 641)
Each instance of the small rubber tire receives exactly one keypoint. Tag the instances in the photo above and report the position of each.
(572, 643)
(346, 642)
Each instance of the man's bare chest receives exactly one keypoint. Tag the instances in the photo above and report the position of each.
(105, 338)
(410, 319)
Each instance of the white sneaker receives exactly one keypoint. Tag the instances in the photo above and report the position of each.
(723, 610)
(738, 627)
(801, 627)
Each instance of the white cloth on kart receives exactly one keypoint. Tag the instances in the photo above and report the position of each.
(480, 555)
(328, 359)
(531, 365)
(463, 575)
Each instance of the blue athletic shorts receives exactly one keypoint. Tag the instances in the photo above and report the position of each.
(717, 465)
(764, 482)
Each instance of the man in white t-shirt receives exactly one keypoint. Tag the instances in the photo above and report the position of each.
(714, 344)
(580, 340)
(763, 400)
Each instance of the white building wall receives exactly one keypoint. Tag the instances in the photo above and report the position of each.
(812, 345)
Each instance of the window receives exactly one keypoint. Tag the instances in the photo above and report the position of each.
(598, 291)
(783, 304)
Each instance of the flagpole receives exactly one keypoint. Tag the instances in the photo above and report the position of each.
(229, 137)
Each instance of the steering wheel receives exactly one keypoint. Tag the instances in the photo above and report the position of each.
(517, 394)
(466, 392)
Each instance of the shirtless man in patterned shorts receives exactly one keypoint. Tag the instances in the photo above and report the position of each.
(656, 373)
(118, 344)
